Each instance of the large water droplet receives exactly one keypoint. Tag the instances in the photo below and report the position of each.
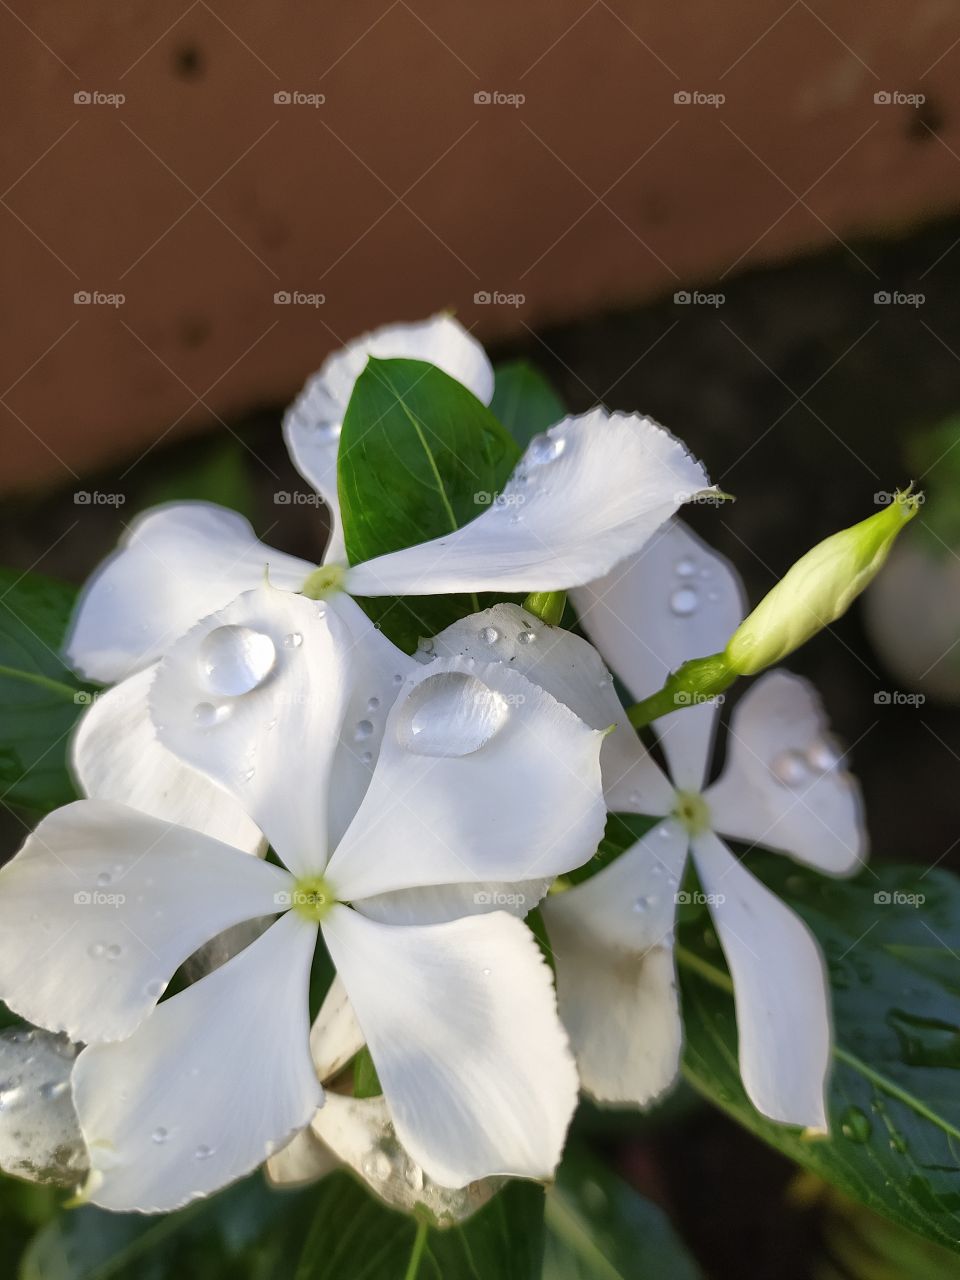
(235, 660)
(378, 1166)
(544, 448)
(451, 714)
(790, 768)
(207, 714)
(526, 637)
(855, 1125)
(490, 635)
(685, 568)
(373, 704)
(683, 602)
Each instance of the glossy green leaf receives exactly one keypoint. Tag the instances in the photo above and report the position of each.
(419, 457)
(599, 1228)
(524, 400)
(353, 1237)
(40, 698)
(889, 938)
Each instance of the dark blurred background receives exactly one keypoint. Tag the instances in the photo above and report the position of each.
(743, 220)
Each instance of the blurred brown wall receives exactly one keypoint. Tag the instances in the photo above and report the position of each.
(202, 194)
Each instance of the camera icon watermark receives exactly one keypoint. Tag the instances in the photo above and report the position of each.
(896, 298)
(95, 898)
(484, 498)
(286, 498)
(694, 98)
(697, 298)
(94, 98)
(495, 898)
(96, 498)
(497, 298)
(896, 98)
(687, 699)
(94, 298)
(883, 498)
(297, 298)
(695, 898)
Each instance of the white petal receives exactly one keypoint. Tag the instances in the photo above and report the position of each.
(585, 495)
(377, 672)
(175, 565)
(116, 756)
(612, 942)
(784, 785)
(523, 800)
(677, 599)
(780, 988)
(101, 906)
(213, 1082)
(432, 904)
(40, 1135)
(335, 1036)
(303, 1160)
(461, 1022)
(254, 696)
(311, 426)
(574, 673)
(361, 1133)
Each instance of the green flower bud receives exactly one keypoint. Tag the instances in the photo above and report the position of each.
(818, 588)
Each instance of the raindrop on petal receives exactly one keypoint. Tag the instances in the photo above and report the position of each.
(235, 660)
(683, 602)
(544, 448)
(451, 714)
(790, 768)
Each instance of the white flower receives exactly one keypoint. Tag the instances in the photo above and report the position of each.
(782, 787)
(584, 496)
(481, 777)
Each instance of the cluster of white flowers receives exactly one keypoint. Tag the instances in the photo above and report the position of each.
(417, 810)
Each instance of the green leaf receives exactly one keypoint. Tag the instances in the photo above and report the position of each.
(40, 698)
(216, 472)
(419, 457)
(599, 1228)
(248, 1232)
(524, 401)
(366, 1082)
(353, 1237)
(895, 1090)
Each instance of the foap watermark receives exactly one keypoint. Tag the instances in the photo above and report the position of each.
(686, 699)
(495, 898)
(895, 298)
(97, 498)
(483, 498)
(898, 698)
(695, 898)
(697, 298)
(695, 98)
(897, 898)
(95, 298)
(495, 98)
(95, 898)
(297, 298)
(284, 498)
(497, 298)
(297, 98)
(86, 697)
(897, 98)
(95, 98)
(883, 498)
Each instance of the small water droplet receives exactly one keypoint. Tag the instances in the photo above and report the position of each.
(53, 1089)
(155, 989)
(367, 757)
(247, 774)
(451, 714)
(526, 637)
(683, 602)
(486, 973)
(104, 878)
(790, 768)
(363, 730)
(490, 635)
(855, 1125)
(293, 641)
(898, 1143)
(377, 1165)
(373, 704)
(96, 950)
(203, 1152)
(413, 1176)
(398, 679)
(823, 756)
(235, 660)
(544, 448)
(160, 1136)
(207, 714)
(114, 951)
(642, 903)
(685, 568)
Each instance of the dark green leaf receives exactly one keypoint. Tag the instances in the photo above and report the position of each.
(40, 698)
(419, 457)
(248, 1232)
(355, 1238)
(524, 401)
(599, 1228)
(889, 938)
(366, 1082)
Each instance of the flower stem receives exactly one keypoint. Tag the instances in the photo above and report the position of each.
(696, 681)
(416, 1254)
